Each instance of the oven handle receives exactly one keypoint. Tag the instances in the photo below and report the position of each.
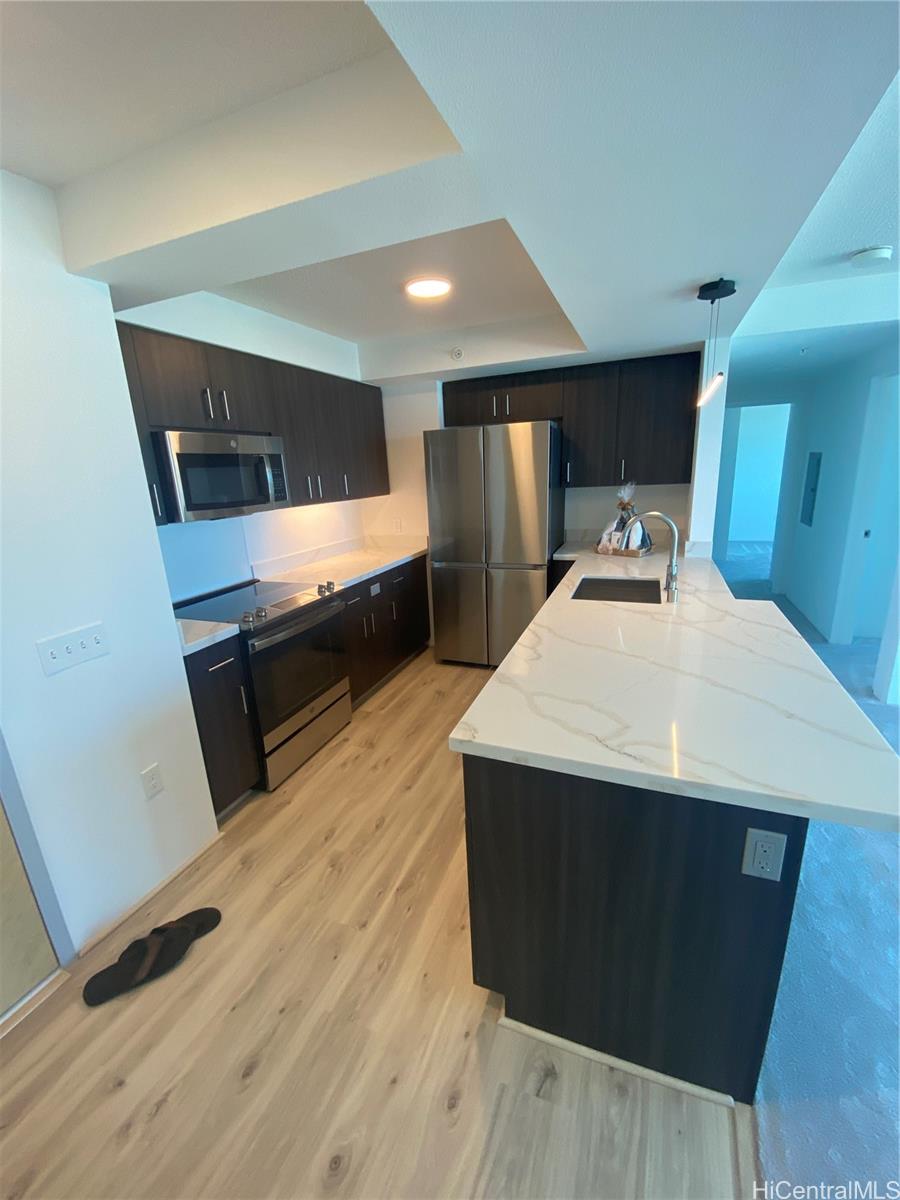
(315, 618)
(266, 463)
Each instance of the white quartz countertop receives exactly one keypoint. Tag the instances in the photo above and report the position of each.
(197, 635)
(713, 697)
(352, 567)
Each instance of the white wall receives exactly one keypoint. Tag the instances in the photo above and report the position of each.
(208, 555)
(212, 318)
(757, 472)
(817, 567)
(408, 412)
(589, 510)
(79, 545)
(704, 486)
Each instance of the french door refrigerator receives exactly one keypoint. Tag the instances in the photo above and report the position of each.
(495, 516)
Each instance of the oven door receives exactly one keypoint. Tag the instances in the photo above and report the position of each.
(224, 474)
(295, 665)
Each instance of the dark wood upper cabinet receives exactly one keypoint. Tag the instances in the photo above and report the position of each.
(175, 381)
(241, 385)
(221, 701)
(590, 411)
(469, 402)
(656, 417)
(145, 437)
(530, 397)
(332, 428)
(620, 420)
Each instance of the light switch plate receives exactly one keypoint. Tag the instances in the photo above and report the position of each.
(375, 589)
(72, 648)
(764, 854)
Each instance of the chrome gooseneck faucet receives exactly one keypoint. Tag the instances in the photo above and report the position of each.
(672, 569)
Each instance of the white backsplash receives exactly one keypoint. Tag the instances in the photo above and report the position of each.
(589, 510)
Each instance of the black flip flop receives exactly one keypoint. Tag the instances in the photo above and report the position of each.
(150, 957)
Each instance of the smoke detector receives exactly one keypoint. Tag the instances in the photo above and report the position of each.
(862, 258)
(456, 353)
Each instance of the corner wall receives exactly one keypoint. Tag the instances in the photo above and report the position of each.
(817, 567)
(80, 547)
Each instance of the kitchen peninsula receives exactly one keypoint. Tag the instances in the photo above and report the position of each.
(613, 766)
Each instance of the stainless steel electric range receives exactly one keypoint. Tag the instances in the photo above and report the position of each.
(294, 647)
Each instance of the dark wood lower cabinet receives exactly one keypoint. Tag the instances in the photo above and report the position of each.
(221, 697)
(556, 573)
(619, 918)
(385, 623)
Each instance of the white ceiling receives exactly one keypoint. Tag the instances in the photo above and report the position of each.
(362, 296)
(800, 354)
(640, 149)
(635, 150)
(859, 208)
(83, 84)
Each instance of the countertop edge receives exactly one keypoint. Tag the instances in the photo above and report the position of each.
(696, 790)
(208, 639)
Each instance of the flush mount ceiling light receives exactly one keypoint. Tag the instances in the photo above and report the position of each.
(862, 258)
(428, 288)
(713, 292)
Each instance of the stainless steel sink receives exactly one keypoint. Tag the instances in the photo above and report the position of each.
(607, 587)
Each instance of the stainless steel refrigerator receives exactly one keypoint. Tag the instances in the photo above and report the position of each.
(495, 516)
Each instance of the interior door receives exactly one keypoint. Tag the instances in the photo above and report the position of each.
(454, 473)
(516, 492)
(514, 596)
(26, 955)
(459, 594)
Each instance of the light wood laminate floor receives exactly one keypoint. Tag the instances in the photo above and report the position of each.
(327, 1039)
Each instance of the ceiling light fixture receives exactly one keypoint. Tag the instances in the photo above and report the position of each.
(714, 291)
(428, 289)
(862, 258)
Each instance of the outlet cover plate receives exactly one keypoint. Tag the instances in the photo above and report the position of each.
(764, 854)
(72, 648)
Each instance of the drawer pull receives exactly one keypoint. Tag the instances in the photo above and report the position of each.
(244, 701)
(223, 663)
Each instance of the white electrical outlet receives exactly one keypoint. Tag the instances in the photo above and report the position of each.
(72, 648)
(398, 524)
(764, 854)
(152, 779)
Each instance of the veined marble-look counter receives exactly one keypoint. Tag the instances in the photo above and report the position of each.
(197, 635)
(352, 567)
(712, 697)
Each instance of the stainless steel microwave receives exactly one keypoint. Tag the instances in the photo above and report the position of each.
(214, 475)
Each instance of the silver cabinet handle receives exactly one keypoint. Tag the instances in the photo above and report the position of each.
(156, 499)
(355, 600)
(223, 663)
(623, 468)
(394, 609)
(207, 396)
(372, 619)
(309, 485)
(507, 403)
(495, 406)
(319, 478)
(365, 628)
(244, 701)
(399, 579)
(225, 405)
(568, 472)
(346, 485)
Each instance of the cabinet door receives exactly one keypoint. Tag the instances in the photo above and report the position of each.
(469, 403)
(293, 419)
(241, 389)
(349, 448)
(222, 708)
(174, 380)
(590, 407)
(656, 418)
(408, 594)
(358, 641)
(324, 397)
(534, 396)
(376, 481)
(148, 454)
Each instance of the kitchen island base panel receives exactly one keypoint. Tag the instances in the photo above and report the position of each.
(619, 918)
